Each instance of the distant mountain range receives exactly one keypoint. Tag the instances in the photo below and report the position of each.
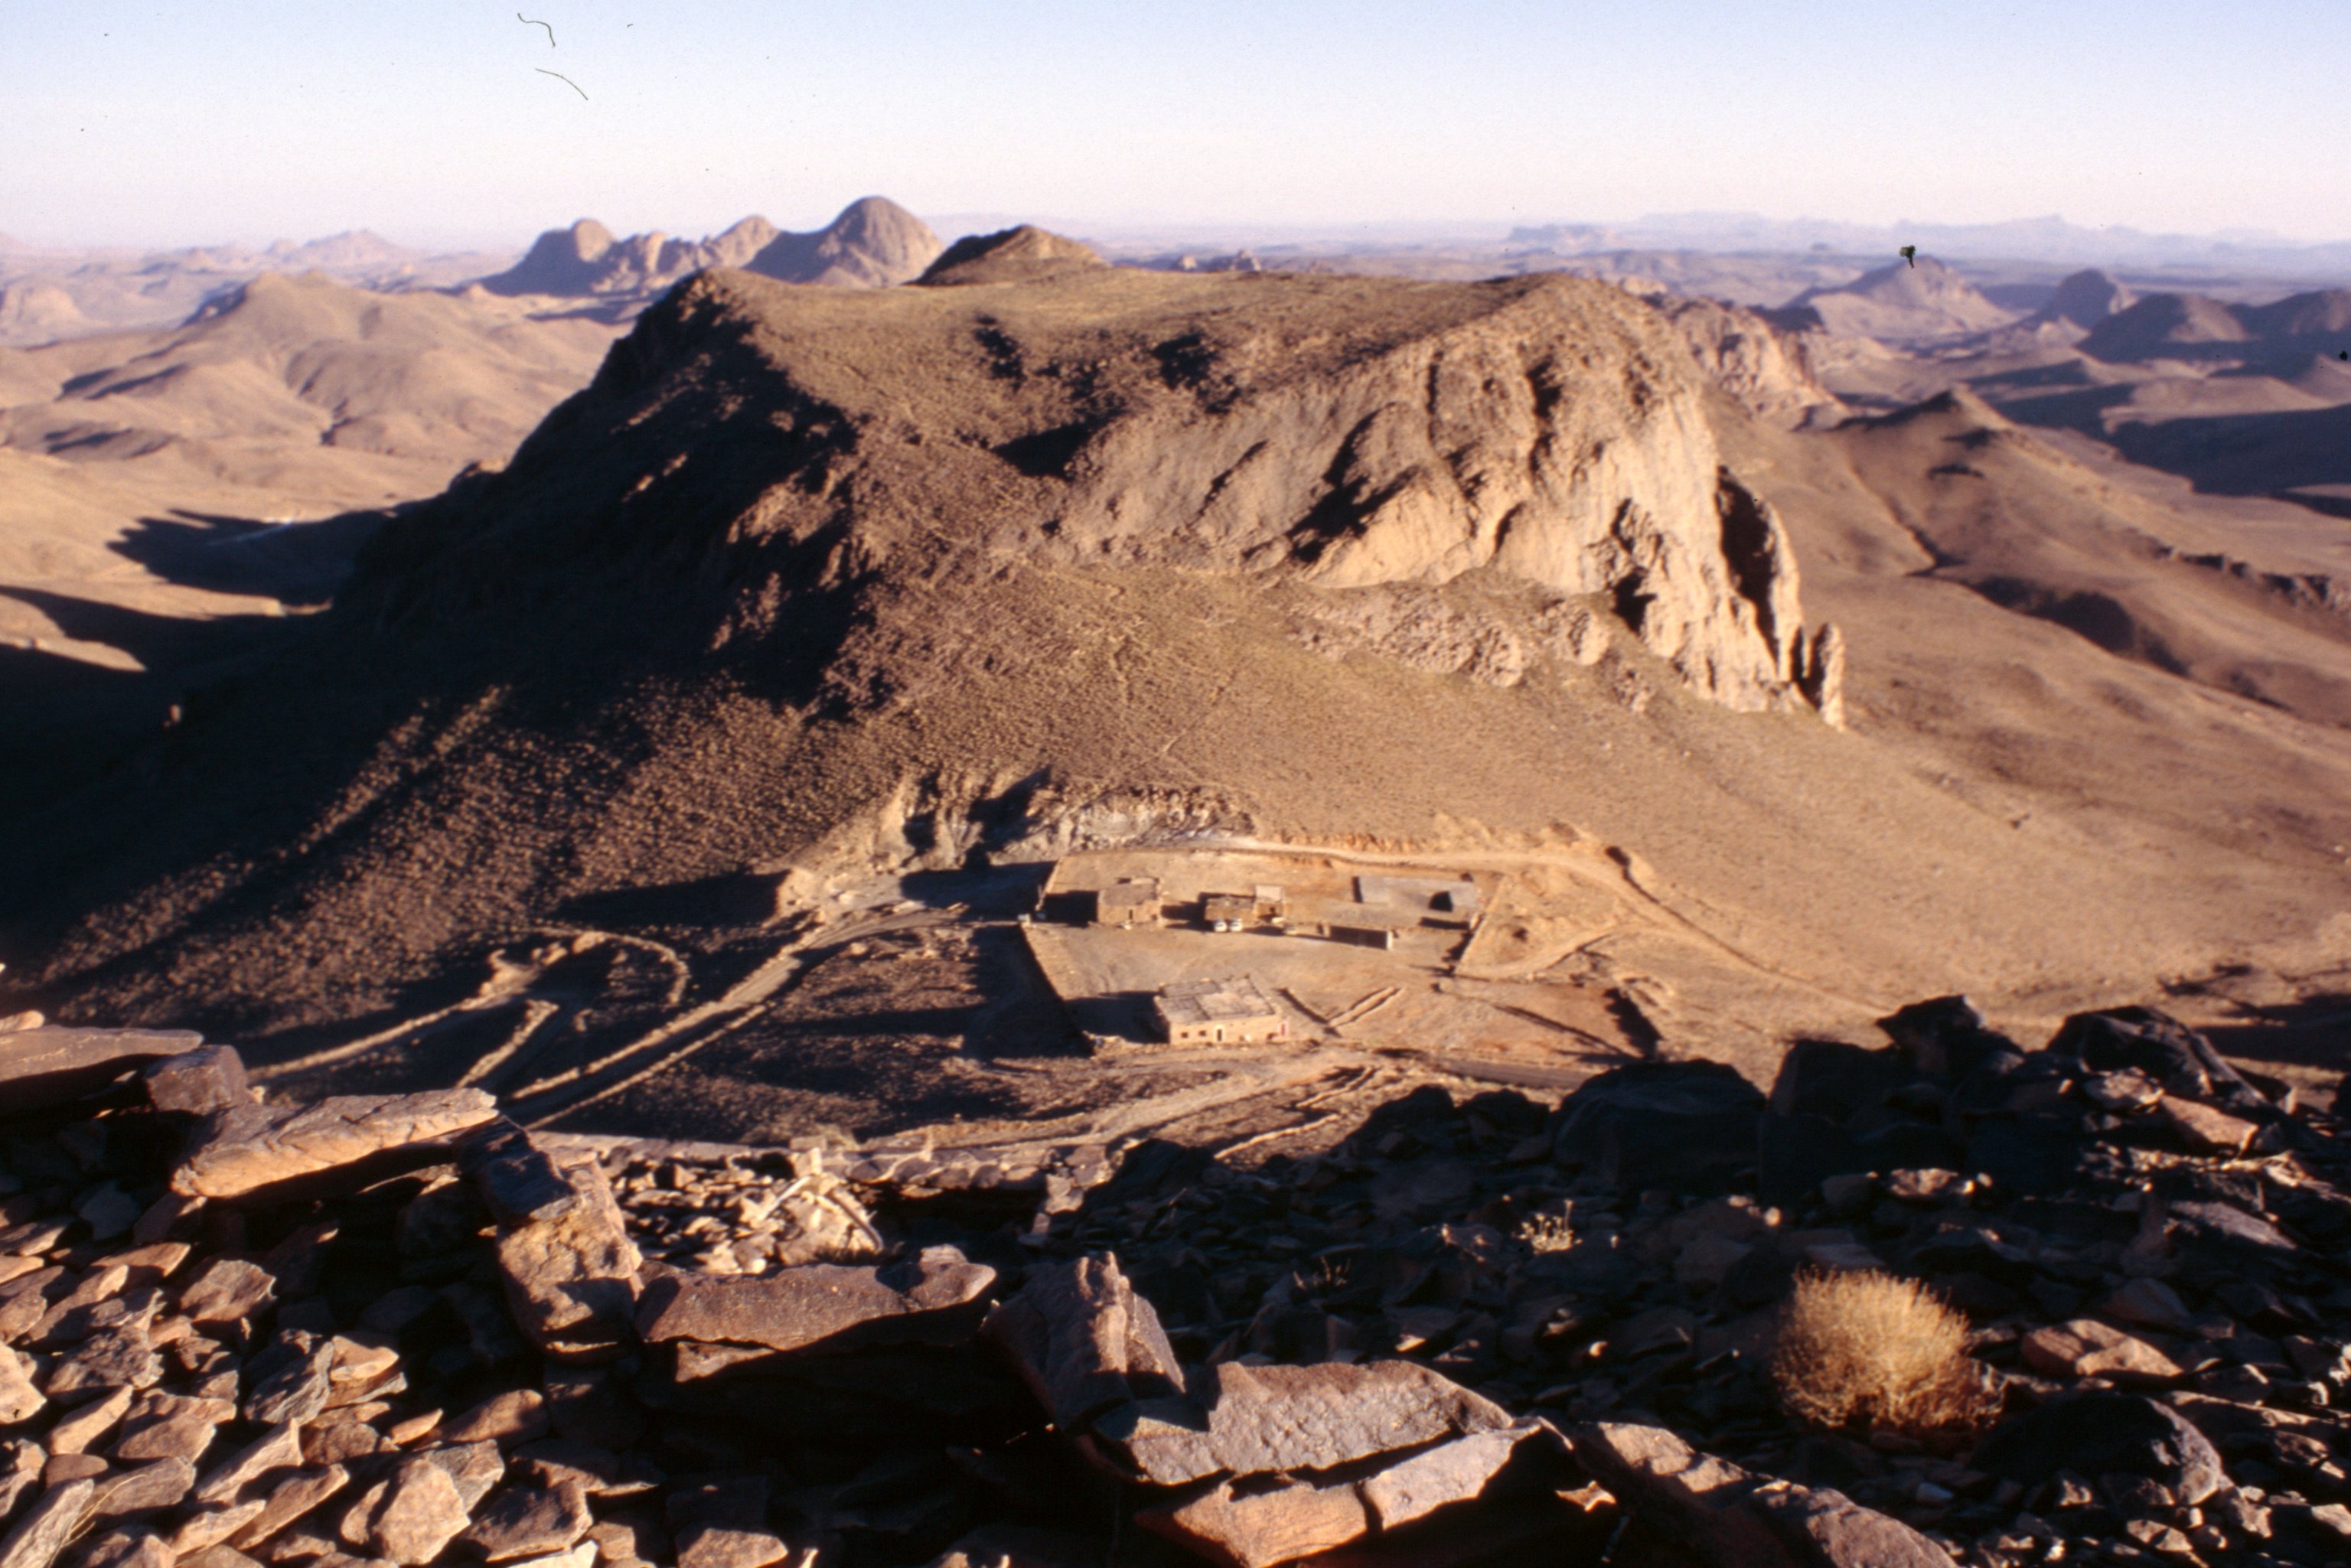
(2040, 239)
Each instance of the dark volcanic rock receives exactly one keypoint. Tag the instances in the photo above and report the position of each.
(209, 1078)
(1661, 1124)
(44, 1067)
(2098, 1434)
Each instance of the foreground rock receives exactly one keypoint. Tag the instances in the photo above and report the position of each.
(245, 1149)
(1453, 1341)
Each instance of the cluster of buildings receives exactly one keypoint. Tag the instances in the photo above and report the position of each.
(1236, 1012)
(1383, 909)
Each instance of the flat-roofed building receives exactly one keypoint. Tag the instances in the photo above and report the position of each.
(1217, 1012)
(1227, 911)
(1132, 901)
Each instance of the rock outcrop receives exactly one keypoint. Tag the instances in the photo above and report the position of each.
(1767, 367)
(872, 243)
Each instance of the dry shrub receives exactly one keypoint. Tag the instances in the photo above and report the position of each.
(1872, 1349)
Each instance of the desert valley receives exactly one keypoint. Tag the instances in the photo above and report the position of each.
(1281, 897)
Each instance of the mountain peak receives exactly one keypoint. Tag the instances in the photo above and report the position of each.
(1010, 256)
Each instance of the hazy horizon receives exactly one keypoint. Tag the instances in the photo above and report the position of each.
(442, 125)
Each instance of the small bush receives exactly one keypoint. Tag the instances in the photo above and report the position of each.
(1871, 1350)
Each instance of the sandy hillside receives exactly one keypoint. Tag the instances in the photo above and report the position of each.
(146, 478)
(812, 585)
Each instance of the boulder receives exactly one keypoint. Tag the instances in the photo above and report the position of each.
(517, 1179)
(1688, 1124)
(2160, 1046)
(1693, 1499)
(570, 1278)
(421, 1512)
(1946, 1037)
(932, 1298)
(44, 1067)
(267, 1151)
(2097, 1432)
(199, 1081)
(724, 1524)
(2088, 1348)
(43, 1531)
(1084, 1341)
(1722, 1513)
(1825, 1529)
(1255, 1420)
(1261, 1522)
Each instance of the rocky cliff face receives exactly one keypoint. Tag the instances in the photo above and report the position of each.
(1768, 367)
(1548, 432)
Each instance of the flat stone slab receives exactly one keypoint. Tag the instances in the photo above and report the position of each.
(1254, 1420)
(44, 1067)
(253, 1149)
(920, 1300)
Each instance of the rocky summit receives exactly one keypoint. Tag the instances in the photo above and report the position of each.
(405, 1330)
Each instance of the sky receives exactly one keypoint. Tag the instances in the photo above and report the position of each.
(436, 122)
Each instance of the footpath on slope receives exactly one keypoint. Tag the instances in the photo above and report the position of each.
(402, 1329)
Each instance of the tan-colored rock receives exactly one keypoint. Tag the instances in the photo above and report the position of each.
(1084, 1342)
(43, 1531)
(76, 1431)
(1255, 1420)
(531, 1522)
(571, 1279)
(228, 1289)
(581, 1556)
(20, 1400)
(1258, 1525)
(247, 1149)
(171, 1426)
(44, 1067)
(930, 1298)
(474, 1468)
(288, 1499)
(137, 1547)
(421, 1515)
(117, 1358)
(148, 1488)
(64, 1468)
(518, 1415)
(213, 1525)
(1691, 1498)
(1449, 1473)
(2088, 1348)
(2201, 1127)
(274, 1449)
(209, 1078)
(725, 1525)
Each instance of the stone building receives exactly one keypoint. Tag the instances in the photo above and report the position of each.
(1132, 901)
(1217, 1012)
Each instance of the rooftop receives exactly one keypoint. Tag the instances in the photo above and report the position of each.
(1214, 1002)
